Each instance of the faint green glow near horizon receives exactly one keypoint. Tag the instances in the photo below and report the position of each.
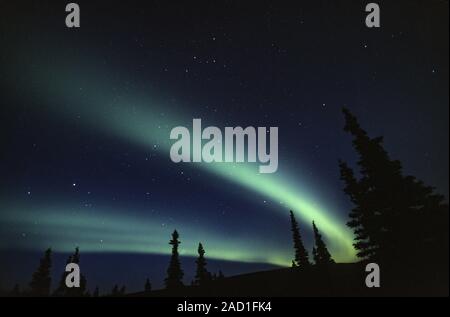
(111, 230)
(143, 121)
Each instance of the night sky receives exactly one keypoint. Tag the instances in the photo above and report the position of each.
(86, 115)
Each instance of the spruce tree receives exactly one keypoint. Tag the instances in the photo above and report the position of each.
(202, 275)
(41, 279)
(301, 255)
(78, 291)
(15, 292)
(115, 291)
(62, 289)
(320, 251)
(314, 254)
(147, 286)
(174, 271)
(394, 216)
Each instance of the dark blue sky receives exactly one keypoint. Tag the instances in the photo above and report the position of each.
(253, 64)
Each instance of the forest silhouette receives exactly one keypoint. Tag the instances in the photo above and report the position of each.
(398, 222)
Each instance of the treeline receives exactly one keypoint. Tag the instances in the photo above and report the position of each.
(41, 281)
(321, 255)
(40, 285)
(398, 222)
(174, 279)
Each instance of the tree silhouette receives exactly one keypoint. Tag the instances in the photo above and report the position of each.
(115, 291)
(394, 216)
(96, 292)
(301, 255)
(174, 271)
(147, 286)
(78, 291)
(62, 289)
(202, 275)
(41, 279)
(15, 292)
(320, 251)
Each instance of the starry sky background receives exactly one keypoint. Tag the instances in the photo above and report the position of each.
(86, 115)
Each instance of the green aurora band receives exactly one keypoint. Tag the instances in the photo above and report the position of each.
(66, 226)
(141, 120)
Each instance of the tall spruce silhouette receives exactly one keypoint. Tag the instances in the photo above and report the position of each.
(394, 216)
(301, 255)
(174, 271)
(41, 280)
(202, 275)
(320, 251)
(78, 291)
(62, 289)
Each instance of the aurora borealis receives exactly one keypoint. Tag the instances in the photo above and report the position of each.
(90, 112)
(137, 124)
